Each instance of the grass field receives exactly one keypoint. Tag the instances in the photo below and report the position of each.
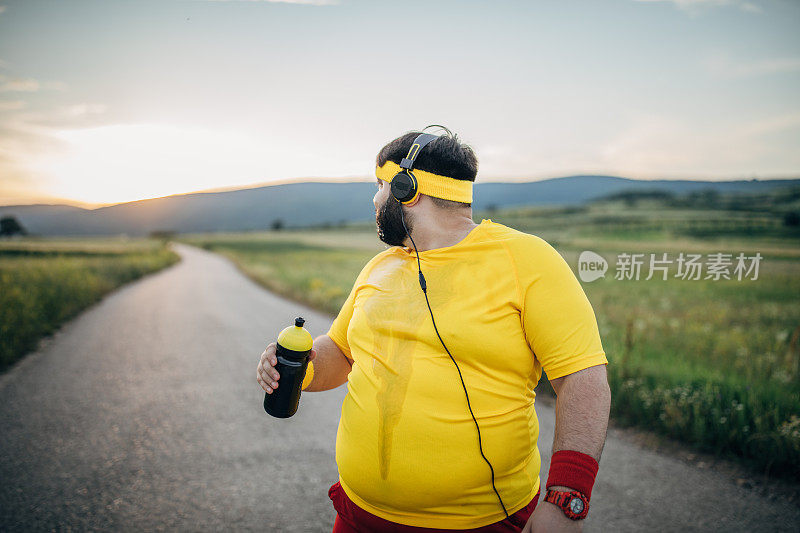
(44, 282)
(713, 363)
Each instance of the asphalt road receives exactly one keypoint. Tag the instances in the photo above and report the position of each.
(143, 413)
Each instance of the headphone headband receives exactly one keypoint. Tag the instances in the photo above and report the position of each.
(416, 147)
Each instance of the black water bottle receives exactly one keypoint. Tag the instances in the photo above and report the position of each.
(292, 351)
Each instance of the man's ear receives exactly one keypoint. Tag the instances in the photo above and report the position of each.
(416, 200)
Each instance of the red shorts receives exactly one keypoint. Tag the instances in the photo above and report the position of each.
(351, 518)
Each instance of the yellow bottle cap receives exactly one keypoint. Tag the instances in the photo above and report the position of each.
(296, 338)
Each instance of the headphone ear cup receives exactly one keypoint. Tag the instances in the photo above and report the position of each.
(404, 187)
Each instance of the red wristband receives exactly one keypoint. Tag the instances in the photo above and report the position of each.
(573, 469)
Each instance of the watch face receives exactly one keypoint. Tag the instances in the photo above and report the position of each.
(576, 505)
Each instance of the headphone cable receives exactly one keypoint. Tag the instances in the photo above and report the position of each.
(425, 292)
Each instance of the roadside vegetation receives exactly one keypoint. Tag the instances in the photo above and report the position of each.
(714, 363)
(45, 282)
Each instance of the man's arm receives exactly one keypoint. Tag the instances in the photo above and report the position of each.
(583, 402)
(331, 366)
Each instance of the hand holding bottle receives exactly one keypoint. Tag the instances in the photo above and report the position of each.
(266, 374)
(288, 358)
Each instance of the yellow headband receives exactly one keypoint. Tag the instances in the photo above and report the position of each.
(431, 184)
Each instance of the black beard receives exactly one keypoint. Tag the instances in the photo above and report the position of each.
(390, 224)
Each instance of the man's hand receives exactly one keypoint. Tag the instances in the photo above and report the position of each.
(266, 374)
(548, 518)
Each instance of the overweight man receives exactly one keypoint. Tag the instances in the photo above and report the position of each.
(438, 429)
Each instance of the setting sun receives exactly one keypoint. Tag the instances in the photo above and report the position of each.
(131, 162)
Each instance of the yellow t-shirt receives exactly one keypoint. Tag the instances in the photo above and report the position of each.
(506, 305)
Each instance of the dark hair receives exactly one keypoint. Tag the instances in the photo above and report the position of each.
(446, 156)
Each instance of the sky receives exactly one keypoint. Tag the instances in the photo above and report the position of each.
(109, 101)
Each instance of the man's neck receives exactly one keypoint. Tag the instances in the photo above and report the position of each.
(431, 232)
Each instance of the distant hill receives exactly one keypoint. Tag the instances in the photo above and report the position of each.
(314, 203)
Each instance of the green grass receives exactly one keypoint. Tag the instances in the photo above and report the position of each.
(713, 363)
(317, 275)
(44, 283)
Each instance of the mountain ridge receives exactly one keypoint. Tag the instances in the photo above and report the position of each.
(310, 203)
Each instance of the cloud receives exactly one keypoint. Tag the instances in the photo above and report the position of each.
(48, 119)
(655, 145)
(79, 110)
(694, 5)
(11, 105)
(768, 66)
(770, 125)
(28, 85)
(29, 134)
(723, 66)
(19, 85)
(21, 145)
(649, 143)
(54, 86)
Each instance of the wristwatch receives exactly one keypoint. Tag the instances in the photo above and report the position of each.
(573, 503)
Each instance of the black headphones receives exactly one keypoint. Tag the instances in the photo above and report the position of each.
(405, 189)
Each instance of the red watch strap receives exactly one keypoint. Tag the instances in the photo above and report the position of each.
(572, 469)
(566, 500)
(556, 496)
